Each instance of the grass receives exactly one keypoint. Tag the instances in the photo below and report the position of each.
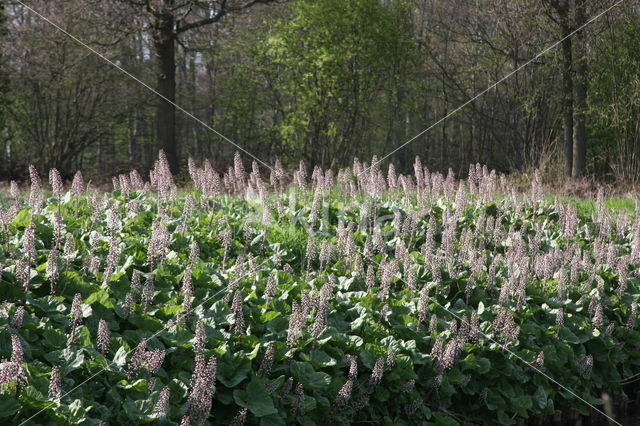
(586, 208)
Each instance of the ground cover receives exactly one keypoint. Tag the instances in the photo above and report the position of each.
(313, 298)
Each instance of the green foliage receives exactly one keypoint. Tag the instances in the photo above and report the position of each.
(334, 58)
(398, 378)
(614, 94)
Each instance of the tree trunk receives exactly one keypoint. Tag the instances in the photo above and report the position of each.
(164, 46)
(567, 85)
(580, 93)
(4, 92)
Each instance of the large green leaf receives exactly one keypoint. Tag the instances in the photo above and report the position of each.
(233, 369)
(256, 398)
(540, 398)
(8, 406)
(101, 296)
(310, 379)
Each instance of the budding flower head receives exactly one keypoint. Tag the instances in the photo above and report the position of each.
(344, 394)
(236, 307)
(415, 404)
(449, 356)
(408, 387)
(586, 365)
(203, 380)
(267, 360)
(632, 315)
(76, 316)
(77, 185)
(55, 383)
(16, 350)
(560, 317)
(597, 316)
(539, 361)
(11, 372)
(137, 359)
(14, 190)
(52, 270)
(353, 366)
(129, 301)
(135, 281)
(18, 317)
(325, 253)
(158, 243)
(35, 197)
(391, 356)
(376, 374)
(433, 323)
(160, 410)
(270, 289)
(286, 388)
(240, 418)
(194, 254)
(153, 360)
(147, 294)
(298, 402)
(55, 180)
(68, 246)
(200, 339)
(29, 243)
(423, 304)
(103, 337)
(371, 277)
(76, 308)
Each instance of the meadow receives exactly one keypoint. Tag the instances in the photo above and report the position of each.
(308, 297)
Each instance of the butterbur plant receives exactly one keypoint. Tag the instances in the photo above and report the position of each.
(199, 401)
(238, 315)
(129, 302)
(160, 410)
(137, 358)
(12, 370)
(147, 294)
(241, 418)
(52, 270)
(76, 317)
(141, 358)
(267, 361)
(586, 366)
(344, 394)
(633, 314)
(103, 337)
(270, 289)
(18, 318)
(298, 401)
(364, 295)
(77, 184)
(35, 196)
(376, 374)
(136, 283)
(200, 343)
(55, 180)
(55, 383)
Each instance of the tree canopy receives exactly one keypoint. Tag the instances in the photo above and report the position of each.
(322, 81)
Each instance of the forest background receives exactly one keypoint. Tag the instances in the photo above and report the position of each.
(322, 81)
